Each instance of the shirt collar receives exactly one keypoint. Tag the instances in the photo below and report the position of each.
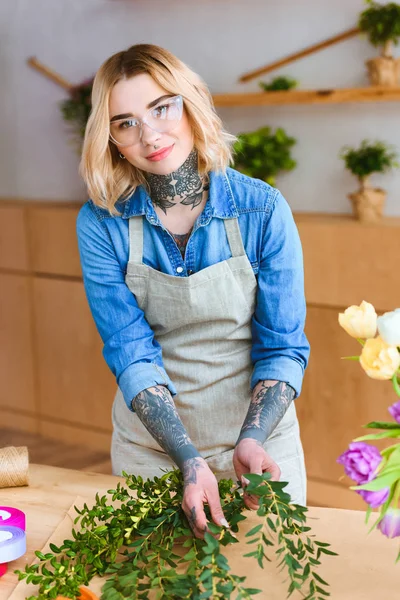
(220, 202)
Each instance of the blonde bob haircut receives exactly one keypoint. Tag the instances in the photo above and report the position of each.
(108, 178)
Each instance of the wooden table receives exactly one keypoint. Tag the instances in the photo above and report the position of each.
(364, 569)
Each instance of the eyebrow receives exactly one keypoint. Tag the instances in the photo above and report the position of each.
(150, 105)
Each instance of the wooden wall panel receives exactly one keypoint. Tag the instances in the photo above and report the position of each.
(17, 390)
(75, 383)
(337, 397)
(347, 262)
(13, 241)
(53, 240)
(84, 436)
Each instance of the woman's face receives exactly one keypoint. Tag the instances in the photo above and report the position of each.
(134, 97)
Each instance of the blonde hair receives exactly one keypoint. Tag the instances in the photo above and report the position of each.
(108, 178)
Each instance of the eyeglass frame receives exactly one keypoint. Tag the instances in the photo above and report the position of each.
(144, 122)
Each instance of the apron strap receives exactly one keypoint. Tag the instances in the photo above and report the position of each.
(234, 237)
(136, 240)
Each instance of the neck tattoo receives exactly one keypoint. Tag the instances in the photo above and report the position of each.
(183, 186)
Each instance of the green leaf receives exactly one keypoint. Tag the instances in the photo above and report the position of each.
(392, 433)
(319, 578)
(254, 530)
(382, 425)
(385, 480)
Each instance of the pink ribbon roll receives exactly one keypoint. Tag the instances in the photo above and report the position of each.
(12, 543)
(13, 517)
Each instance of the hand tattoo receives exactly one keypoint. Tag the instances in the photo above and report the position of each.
(269, 403)
(156, 409)
(192, 518)
(190, 468)
(183, 186)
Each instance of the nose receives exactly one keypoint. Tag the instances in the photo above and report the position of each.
(148, 135)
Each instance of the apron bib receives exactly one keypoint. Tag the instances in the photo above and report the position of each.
(203, 325)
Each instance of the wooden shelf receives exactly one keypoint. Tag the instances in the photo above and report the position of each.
(334, 96)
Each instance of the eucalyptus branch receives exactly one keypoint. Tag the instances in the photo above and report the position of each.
(136, 535)
(288, 523)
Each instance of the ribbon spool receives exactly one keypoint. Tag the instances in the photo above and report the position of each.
(12, 545)
(12, 516)
(14, 466)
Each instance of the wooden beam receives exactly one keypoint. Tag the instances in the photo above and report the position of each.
(306, 52)
(338, 96)
(49, 73)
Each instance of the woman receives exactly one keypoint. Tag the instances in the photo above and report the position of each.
(194, 276)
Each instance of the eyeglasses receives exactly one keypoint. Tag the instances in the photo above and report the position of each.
(163, 118)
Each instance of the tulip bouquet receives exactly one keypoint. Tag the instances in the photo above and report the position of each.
(377, 473)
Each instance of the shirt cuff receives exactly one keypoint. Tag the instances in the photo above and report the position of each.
(283, 369)
(140, 376)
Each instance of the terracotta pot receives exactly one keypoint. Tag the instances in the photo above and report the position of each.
(368, 204)
(384, 71)
(85, 595)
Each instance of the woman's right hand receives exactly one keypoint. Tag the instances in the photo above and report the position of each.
(201, 487)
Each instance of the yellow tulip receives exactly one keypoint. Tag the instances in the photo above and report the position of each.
(359, 321)
(378, 359)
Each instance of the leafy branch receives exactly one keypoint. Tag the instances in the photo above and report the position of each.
(139, 537)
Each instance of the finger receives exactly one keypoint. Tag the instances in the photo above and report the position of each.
(197, 519)
(251, 501)
(274, 470)
(217, 513)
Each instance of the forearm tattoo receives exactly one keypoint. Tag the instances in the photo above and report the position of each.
(269, 403)
(156, 409)
(183, 186)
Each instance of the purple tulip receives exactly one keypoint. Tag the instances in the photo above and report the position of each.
(395, 411)
(374, 499)
(360, 462)
(390, 524)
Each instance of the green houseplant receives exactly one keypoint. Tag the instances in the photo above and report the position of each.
(370, 157)
(279, 84)
(381, 23)
(76, 109)
(263, 153)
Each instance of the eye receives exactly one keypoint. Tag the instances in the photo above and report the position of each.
(160, 112)
(128, 123)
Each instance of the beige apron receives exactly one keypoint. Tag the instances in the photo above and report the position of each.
(203, 325)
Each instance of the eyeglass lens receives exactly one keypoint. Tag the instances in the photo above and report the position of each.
(162, 118)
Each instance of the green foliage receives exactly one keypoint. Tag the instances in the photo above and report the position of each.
(263, 154)
(381, 22)
(76, 109)
(140, 538)
(279, 83)
(370, 157)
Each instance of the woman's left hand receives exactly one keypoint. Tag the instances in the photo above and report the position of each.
(250, 457)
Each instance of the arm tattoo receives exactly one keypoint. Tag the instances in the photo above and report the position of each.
(156, 409)
(269, 403)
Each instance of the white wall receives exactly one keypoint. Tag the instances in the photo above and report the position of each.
(221, 39)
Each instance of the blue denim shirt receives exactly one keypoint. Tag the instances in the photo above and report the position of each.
(280, 349)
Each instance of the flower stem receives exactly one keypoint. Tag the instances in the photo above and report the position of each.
(396, 385)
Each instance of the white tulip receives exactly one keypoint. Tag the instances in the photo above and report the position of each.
(359, 321)
(389, 327)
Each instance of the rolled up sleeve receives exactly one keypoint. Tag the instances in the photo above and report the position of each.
(130, 348)
(280, 349)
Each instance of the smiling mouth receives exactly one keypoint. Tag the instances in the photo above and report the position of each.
(160, 153)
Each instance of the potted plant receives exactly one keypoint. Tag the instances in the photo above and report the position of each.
(381, 23)
(370, 157)
(76, 109)
(279, 84)
(263, 154)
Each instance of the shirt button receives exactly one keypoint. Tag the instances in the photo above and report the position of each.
(179, 269)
